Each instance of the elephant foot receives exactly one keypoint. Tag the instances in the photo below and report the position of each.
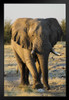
(37, 86)
(47, 87)
(27, 82)
(22, 85)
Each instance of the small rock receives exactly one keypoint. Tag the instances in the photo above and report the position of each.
(41, 90)
(63, 76)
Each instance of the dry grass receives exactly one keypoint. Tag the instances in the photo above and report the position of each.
(57, 75)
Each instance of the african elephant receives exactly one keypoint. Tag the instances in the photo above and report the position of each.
(34, 37)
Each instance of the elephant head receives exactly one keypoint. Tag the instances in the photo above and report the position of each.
(38, 36)
(50, 31)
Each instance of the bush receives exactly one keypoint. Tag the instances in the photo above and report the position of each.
(63, 26)
(7, 35)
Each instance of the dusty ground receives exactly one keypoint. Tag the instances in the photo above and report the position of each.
(57, 75)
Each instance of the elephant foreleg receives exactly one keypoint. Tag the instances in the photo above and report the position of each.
(38, 71)
(30, 63)
(44, 69)
(45, 74)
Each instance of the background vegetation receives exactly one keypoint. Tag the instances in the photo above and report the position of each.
(7, 35)
(63, 26)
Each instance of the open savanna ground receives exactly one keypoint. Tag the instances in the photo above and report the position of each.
(57, 74)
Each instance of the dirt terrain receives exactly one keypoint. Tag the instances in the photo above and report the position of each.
(57, 74)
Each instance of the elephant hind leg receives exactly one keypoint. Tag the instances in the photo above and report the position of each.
(21, 66)
(38, 69)
(26, 75)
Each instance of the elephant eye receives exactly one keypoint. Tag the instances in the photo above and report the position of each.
(40, 35)
(32, 34)
(25, 30)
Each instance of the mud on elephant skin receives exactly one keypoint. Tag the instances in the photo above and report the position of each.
(34, 36)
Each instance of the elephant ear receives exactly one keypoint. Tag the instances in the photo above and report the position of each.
(55, 31)
(22, 39)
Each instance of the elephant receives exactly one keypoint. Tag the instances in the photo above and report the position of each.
(32, 41)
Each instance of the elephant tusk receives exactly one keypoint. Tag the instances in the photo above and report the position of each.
(56, 53)
(32, 52)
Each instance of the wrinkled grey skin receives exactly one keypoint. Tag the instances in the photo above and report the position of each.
(34, 37)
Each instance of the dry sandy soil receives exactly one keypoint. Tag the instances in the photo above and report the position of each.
(57, 74)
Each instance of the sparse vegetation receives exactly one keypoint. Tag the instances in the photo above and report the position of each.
(7, 35)
(63, 26)
(56, 72)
